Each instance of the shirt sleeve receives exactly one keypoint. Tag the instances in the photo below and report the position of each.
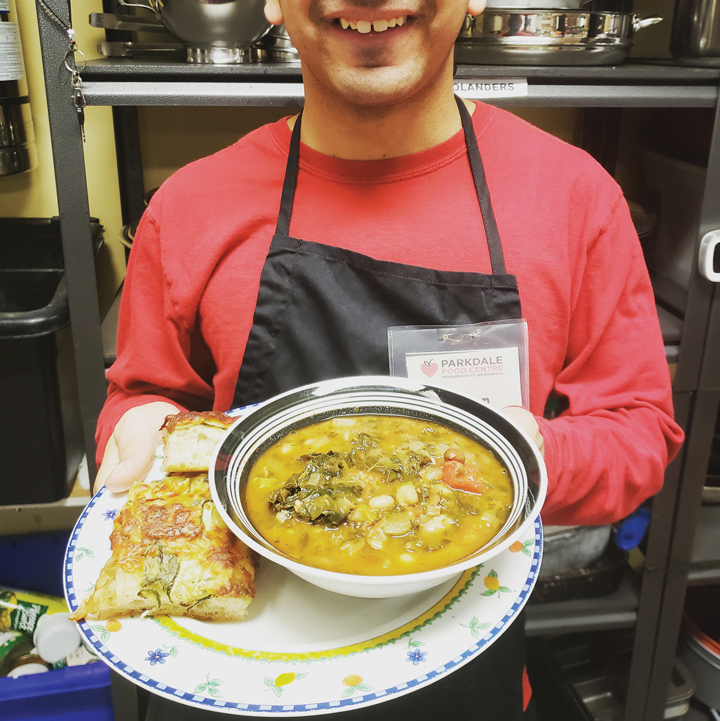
(607, 452)
(155, 346)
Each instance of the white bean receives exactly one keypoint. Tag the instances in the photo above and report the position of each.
(407, 495)
(380, 502)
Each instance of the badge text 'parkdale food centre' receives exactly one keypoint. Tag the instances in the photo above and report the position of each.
(483, 365)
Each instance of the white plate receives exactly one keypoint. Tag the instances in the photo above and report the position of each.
(302, 650)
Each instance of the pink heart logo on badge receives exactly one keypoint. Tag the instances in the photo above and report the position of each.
(429, 368)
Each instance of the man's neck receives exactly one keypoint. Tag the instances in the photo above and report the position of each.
(376, 132)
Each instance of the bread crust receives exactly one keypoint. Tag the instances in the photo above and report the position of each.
(193, 418)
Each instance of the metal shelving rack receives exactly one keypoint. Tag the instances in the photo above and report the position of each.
(654, 608)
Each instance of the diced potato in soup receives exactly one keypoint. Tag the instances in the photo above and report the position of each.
(376, 494)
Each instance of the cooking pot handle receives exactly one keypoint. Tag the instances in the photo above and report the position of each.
(706, 256)
(640, 23)
(151, 6)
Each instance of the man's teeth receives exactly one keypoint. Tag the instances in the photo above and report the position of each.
(379, 26)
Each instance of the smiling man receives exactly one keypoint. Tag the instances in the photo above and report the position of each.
(285, 258)
(383, 69)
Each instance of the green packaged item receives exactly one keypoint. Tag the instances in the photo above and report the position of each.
(21, 610)
(13, 645)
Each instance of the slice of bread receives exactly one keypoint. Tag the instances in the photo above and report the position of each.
(189, 439)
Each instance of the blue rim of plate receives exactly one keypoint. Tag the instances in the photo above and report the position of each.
(367, 699)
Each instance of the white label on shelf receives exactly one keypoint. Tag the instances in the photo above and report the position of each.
(11, 59)
(477, 88)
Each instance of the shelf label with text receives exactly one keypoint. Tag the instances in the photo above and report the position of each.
(476, 88)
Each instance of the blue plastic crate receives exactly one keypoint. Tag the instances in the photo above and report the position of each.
(75, 693)
(34, 561)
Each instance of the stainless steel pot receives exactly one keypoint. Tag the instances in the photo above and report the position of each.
(508, 36)
(696, 31)
(215, 31)
(275, 47)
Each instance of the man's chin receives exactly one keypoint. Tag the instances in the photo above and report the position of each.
(375, 87)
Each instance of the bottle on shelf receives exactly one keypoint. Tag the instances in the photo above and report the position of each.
(17, 147)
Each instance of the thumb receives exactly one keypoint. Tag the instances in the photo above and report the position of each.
(527, 421)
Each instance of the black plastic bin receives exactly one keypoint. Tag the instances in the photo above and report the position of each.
(40, 431)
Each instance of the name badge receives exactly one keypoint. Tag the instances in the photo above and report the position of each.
(486, 360)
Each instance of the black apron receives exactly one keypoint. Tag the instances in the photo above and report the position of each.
(323, 312)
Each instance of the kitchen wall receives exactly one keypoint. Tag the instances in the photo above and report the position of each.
(33, 194)
(172, 137)
(653, 41)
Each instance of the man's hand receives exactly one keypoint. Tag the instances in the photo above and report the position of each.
(131, 448)
(527, 422)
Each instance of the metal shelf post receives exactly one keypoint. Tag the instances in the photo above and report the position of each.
(74, 212)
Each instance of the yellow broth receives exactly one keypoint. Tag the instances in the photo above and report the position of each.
(369, 494)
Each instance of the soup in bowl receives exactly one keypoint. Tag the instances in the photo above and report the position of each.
(377, 495)
(377, 486)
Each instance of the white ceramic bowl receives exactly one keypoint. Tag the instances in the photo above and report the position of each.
(255, 431)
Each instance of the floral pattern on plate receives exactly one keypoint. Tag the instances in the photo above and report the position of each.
(367, 650)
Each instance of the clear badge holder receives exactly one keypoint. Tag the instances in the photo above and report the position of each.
(486, 360)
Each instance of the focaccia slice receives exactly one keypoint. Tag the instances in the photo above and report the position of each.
(172, 554)
(189, 439)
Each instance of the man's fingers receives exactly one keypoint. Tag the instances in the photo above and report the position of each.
(121, 467)
(128, 470)
(132, 446)
(111, 458)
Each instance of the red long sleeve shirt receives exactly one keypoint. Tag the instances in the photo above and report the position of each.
(594, 337)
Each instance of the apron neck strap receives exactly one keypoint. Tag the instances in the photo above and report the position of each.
(481, 188)
(290, 183)
(491, 231)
